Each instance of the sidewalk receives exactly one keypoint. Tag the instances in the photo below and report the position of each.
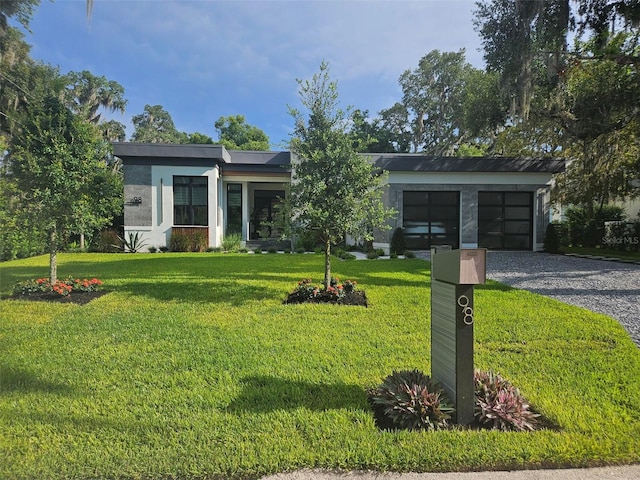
(627, 472)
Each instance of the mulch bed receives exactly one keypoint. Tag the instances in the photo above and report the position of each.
(357, 298)
(78, 298)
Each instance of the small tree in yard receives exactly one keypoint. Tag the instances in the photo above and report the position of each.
(334, 191)
(57, 162)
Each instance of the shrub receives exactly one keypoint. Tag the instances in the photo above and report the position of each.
(287, 250)
(409, 254)
(551, 239)
(300, 250)
(589, 233)
(398, 243)
(272, 249)
(411, 400)
(562, 229)
(232, 242)
(164, 248)
(188, 241)
(199, 241)
(343, 254)
(152, 249)
(18, 239)
(499, 405)
(179, 242)
(372, 255)
(108, 241)
(257, 251)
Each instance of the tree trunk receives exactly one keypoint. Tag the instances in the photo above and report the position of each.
(53, 260)
(82, 242)
(327, 262)
(588, 168)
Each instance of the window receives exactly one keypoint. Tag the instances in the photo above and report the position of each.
(505, 220)
(190, 206)
(234, 208)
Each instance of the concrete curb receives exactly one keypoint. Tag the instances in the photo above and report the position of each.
(625, 472)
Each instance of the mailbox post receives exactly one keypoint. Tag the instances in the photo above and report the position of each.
(453, 275)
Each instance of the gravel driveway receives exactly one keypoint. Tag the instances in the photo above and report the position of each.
(603, 286)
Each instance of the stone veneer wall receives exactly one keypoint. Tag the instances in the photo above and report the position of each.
(137, 183)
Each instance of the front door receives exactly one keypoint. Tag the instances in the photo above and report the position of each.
(264, 208)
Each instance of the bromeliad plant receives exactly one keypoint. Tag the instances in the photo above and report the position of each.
(411, 400)
(60, 288)
(500, 406)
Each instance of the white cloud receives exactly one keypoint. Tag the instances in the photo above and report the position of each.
(229, 57)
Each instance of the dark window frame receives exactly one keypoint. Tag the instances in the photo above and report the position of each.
(505, 239)
(422, 231)
(234, 212)
(191, 214)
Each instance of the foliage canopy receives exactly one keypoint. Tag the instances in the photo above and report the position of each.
(334, 191)
(57, 164)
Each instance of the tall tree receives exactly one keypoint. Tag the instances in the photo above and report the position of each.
(21, 10)
(86, 94)
(155, 125)
(57, 164)
(598, 109)
(334, 191)
(523, 40)
(394, 121)
(433, 96)
(198, 138)
(377, 135)
(112, 131)
(583, 103)
(236, 134)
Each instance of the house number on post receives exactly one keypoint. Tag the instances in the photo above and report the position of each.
(467, 311)
(453, 275)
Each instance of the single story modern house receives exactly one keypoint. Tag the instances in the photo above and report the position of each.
(497, 203)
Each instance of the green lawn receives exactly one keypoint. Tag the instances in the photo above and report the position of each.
(191, 367)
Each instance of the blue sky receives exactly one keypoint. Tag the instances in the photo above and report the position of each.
(205, 59)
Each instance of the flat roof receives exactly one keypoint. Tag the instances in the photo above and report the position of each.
(244, 161)
(416, 162)
(127, 150)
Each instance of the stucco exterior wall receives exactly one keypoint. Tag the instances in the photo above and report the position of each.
(153, 218)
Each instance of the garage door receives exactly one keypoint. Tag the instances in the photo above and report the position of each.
(505, 220)
(431, 218)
